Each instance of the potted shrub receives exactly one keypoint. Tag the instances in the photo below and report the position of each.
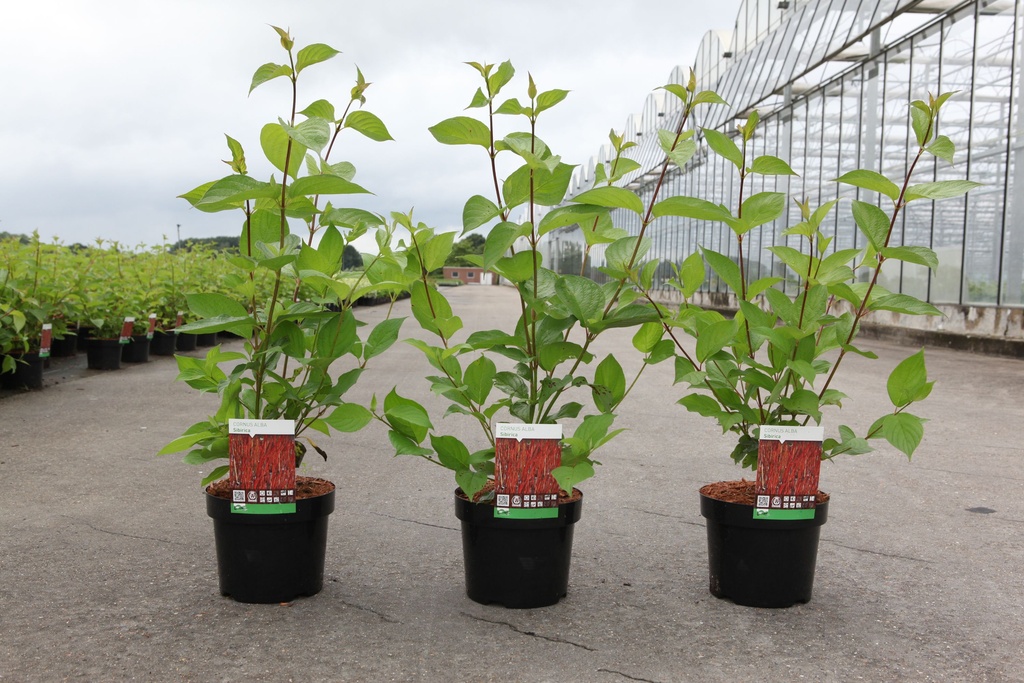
(772, 368)
(541, 374)
(297, 321)
(31, 311)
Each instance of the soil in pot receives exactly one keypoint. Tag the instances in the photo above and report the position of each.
(28, 373)
(758, 562)
(103, 354)
(272, 558)
(518, 563)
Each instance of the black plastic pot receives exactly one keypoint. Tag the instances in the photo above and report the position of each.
(137, 350)
(185, 341)
(28, 373)
(103, 354)
(760, 562)
(518, 563)
(162, 344)
(65, 347)
(206, 339)
(271, 558)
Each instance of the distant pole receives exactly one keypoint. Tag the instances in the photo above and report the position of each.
(179, 233)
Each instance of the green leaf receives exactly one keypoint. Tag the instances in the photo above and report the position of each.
(903, 431)
(499, 240)
(762, 208)
(725, 268)
(943, 148)
(609, 385)
(548, 186)
(769, 165)
(692, 207)
(520, 267)
(549, 98)
(312, 133)
(647, 337)
(278, 146)
(701, 404)
(269, 72)
(550, 355)
(903, 303)
(319, 109)
(723, 146)
(462, 130)
(235, 189)
(336, 336)
(383, 336)
(324, 184)
(406, 416)
(583, 297)
(313, 54)
(714, 338)
(692, 273)
(569, 476)
(873, 222)
(478, 210)
(907, 380)
(922, 256)
(349, 417)
(479, 379)
(870, 180)
(368, 124)
(612, 198)
(619, 254)
(584, 215)
(942, 189)
(678, 149)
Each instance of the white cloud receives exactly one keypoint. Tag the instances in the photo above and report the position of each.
(114, 108)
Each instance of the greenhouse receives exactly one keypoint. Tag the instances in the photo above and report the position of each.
(832, 81)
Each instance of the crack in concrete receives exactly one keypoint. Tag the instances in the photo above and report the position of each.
(124, 535)
(662, 514)
(532, 634)
(380, 615)
(625, 675)
(414, 521)
(877, 552)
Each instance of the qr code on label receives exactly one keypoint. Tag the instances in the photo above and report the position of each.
(238, 496)
(762, 501)
(503, 500)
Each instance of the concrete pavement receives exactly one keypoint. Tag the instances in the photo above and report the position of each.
(107, 567)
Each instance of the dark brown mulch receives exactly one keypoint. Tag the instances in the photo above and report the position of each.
(741, 492)
(305, 487)
(489, 486)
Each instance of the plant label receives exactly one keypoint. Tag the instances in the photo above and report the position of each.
(179, 320)
(152, 326)
(524, 455)
(261, 462)
(126, 330)
(45, 340)
(788, 466)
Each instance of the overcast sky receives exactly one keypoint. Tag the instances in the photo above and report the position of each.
(112, 108)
